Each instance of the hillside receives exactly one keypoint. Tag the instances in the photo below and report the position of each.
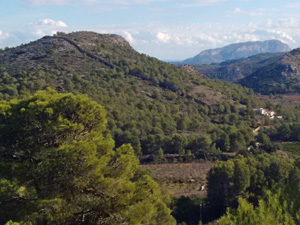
(168, 115)
(236, 51)
(57, 61)
(236, 69)
(281, 76)
(155, 106)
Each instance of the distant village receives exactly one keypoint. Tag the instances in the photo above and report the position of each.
(265, 112)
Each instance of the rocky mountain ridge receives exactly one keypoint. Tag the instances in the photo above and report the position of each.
(61, 50)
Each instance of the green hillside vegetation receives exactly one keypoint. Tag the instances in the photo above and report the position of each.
(248, 177)
(58, 166)
(252, 188)
(263, 187)
(153, 105)
(148, 102)
(64, 159)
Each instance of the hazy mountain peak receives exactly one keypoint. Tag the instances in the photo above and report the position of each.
(238, 50)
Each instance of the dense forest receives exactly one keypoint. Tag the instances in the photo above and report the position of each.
(69, 154)
(58, 166)
(152, 105)
(250, 189)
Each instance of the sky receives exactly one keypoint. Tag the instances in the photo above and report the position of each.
(165, 29)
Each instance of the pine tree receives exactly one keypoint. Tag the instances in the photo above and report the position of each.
(58, 166)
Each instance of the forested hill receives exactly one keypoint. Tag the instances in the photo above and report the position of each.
(281, 76)
(155, 106)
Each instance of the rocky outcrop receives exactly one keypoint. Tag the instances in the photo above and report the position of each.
(83, 51)
(87, 38)
(189, 69)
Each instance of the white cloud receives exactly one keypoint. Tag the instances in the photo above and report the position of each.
(237, 11)
(167, 41)
(289, 22)
(198, 3)
(293, 5)
(45, 27)
(128, 37)
(256, 12)
(3, 35)
(31, 32)
(163, 37)
(132, 2)
(49, 22)
(88, 2)
(46, 2)
(284, 36)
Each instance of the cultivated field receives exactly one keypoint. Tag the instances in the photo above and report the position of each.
(291, 100)
(183, 178)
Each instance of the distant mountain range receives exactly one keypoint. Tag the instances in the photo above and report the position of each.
(265, 73)
(234, 70)
(238, 50)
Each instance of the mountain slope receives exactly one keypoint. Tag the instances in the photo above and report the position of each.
(236, 69)
(236, 51)
(82, 53)
(153, 105)
(282, 76)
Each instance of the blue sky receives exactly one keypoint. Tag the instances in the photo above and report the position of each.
(165, 29)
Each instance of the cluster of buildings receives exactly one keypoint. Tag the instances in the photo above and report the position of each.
(270, 114)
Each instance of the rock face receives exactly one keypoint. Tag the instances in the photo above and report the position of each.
(282, 76)
(189, 69)
(87, 38)
(236, 51)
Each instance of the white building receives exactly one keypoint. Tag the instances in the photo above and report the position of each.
(263, 111)
(260, 111)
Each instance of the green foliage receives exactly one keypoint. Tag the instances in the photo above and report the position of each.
(155, 97)
(58, 166)
(269, 212)
(265, 143)
(148, 102)
(287, 132)
(293, 148)
(249, 177)
(269, 198)
(186, 210)
(280, 206)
